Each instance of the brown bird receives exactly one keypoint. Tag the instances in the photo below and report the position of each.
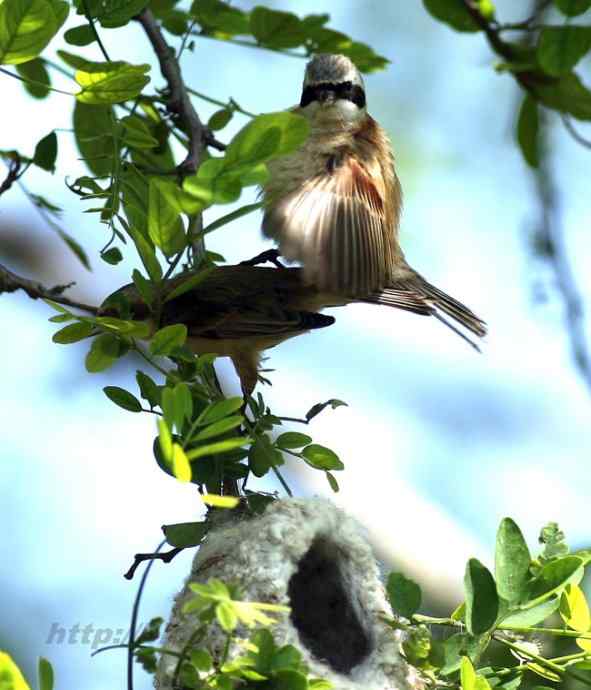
(334, 204)
(240, 311)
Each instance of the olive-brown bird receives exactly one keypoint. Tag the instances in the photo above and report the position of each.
(240, 311)
(334, 204)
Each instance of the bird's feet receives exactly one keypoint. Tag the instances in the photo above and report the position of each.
(270, 255)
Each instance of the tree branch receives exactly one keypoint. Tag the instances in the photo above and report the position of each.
(178, 101)
(10, 282)
(14, 172)
(139, 558)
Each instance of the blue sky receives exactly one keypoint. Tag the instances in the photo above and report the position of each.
(439, 443)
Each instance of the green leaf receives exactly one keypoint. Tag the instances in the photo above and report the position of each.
(482, 603)
(561, 47)
(165, 441)
(73, 333)
(144, 287)
(292, 439)
(104, 83)
(201, 660)
(220, 18)
(275, 29)
(218, 428)
(261, 456)
(165, 226)
(219, 409)
(93, 129)
(332, 482)
(528, 131)
(571, 8)
(322, 458)
(81, 35)
(35, 71)
(147, 254)
(10, 674)
(229, 217)
(452, 12)
(103, 353)
(574, 609)
(265, 137)
(467, 674)
(218, 447)
(226, 616)
(181, 467)
(114, 13)
(26, 27)
(566, 94)
(183, 403)
(148, 389)
(404, 595)
(319, 407)
(216, 501)
(46, 152)
(525, 618)
(45, 674)
(112, 256)
(220, 119)
(289, 679)
(554, 576)
(512, 559)
(185, 534)
(137, 134)
(458, 646)
(123, 398)
(167, 339)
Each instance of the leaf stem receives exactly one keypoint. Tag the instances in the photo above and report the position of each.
(91, 20)
(36, 83)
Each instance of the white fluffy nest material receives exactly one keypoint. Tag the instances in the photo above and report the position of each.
(308, 555)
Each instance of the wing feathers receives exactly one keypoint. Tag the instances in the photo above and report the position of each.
(337, 226)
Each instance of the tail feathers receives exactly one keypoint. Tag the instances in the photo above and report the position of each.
(417, 295)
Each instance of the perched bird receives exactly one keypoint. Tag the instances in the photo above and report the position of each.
(334, 204)
(240, 311)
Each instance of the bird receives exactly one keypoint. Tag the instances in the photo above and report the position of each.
(334, 204)
(239, 311)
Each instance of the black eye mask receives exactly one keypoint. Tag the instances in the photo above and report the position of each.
(345, 90)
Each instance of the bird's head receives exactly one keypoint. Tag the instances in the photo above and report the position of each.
(333, 89)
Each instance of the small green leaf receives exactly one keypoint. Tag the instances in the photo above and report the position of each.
(292, 439)
(526, 617)
(144, 287)
(219, 409)
(322, 458)
(452, 12)
(185, 534)
(289, 679)
(512, 560)
(230, 217)
(81, 35)
(105, 349)
(165, 226)
(261, 456)
(561, 47)
(10, 674)
(123, 398)
(567, 94)
(104, 83)
(181, 467)
(136, 133)
(218, 447)
(482, 603)
(46, 152)
(275, 29)
(571, 8)
(220, 119)
(467, 674)
(112, 256)
(332, 482)
(93, 129)
(35, 71)
(148, 389)
(574, 609)
(167, 339)
(554, 576)
(226, 616)
(222, 426)
(45, 674)
(315, 410)
(201, 660)
(404, 595)
(216, 501)
(528, 131)
(165, 441)
(73, 333)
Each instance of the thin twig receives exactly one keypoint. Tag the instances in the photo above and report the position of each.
(178, 101)
(10, 282)
(139, 558)
(14, 172)
(570, 128)
(95, 33)
(134, 616)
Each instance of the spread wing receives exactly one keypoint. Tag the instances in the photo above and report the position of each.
(336, 224)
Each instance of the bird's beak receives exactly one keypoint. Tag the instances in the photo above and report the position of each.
(326, 97)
